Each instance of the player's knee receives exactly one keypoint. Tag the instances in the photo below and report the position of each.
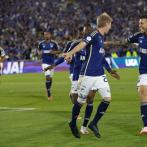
(81, 100)
(48, 78)
(91, 96)
(73, 97)
(108, 99)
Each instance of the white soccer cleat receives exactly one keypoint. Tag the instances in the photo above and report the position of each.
(84, 130)
(143, 131)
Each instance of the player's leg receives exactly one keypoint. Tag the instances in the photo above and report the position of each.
(88, 111)
(74, 91)
(104, 90)
(1, 68)
(142, 90)
(48, 83)
(82, 95)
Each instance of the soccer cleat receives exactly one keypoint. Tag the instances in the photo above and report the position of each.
(74, 130)
(94, 129)
(143, 131)
(84, 130)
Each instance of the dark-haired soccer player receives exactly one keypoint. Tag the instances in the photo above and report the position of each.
(141, 39)
(48, 48)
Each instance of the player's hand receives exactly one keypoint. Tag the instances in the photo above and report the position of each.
(67, 56)
(49, 68)
(114, 74)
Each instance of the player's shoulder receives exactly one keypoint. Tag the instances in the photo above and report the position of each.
(93, 33)
(135, 36)
(71, 41)
(53, 41)
(40, 42)
(138, 34)
(76, 41)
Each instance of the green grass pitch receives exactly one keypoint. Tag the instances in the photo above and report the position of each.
(45, 124)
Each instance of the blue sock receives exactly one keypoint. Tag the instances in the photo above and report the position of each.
(100, 111)
(48, 87)
(143, 108)
(88, 112)
(75, 112)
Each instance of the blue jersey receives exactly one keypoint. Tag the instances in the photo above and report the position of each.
(46, 48)
(61, 59)
(95, 54)
(141, 39)
(67, 49)
(79, 58)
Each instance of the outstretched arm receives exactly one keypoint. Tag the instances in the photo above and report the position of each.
(112, 72)
(116, 43)
(68, 56)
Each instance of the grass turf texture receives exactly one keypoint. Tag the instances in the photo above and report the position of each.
(47, 125)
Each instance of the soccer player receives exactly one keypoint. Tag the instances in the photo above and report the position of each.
(93, 74)
(141, 39)
(2, 54)
(90, 98)
(48, 48)
(2, 58)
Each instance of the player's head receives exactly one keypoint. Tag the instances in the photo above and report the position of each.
(143, 23)
(48, 34)
(80, 32)
(87, 29)
(104, 22)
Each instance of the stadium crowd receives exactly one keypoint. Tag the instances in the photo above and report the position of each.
(22, 22)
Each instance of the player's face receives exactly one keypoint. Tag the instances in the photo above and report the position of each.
(143, 25)
(108, 27)
(47, 35)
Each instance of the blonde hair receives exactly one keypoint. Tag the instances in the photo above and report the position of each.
(103, 19)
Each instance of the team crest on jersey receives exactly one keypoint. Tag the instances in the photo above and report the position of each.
(88, 38)
(140, 41)
(51, 45)
(102, 51)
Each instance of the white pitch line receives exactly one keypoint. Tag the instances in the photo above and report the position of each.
(16, 109)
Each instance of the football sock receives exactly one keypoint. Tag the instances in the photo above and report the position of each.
(75, 112)
(48, 87)
(100, 111)
(88, 112)
(143, 108)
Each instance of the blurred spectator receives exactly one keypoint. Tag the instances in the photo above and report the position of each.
(22, 22)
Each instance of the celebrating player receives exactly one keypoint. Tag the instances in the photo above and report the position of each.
(48, 48)
(93, 74)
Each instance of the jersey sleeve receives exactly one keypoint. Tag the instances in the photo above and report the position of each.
(88, 39)
(106, 65)
(134, 38)
(39, 46)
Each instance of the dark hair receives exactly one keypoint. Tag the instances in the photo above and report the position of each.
(50, 30)
(143, 16)
(80, 29)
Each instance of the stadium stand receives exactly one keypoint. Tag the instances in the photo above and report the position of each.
(22, 22)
